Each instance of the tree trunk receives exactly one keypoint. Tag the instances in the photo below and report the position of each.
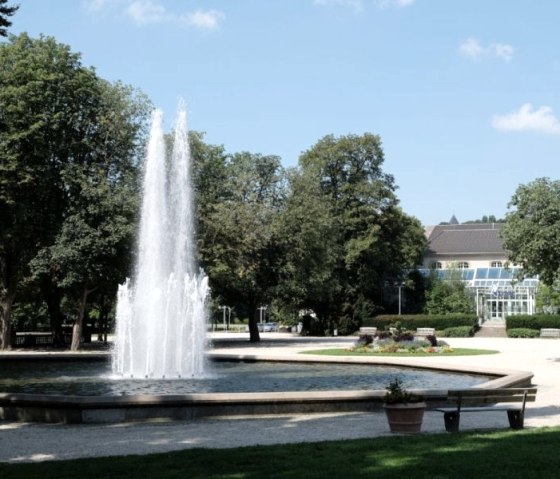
(103, 322)
(52, 295)
(78, 327)
(254, 336)
(6, 301)
(7, 296)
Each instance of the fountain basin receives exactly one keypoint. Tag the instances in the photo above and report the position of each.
(109, 409)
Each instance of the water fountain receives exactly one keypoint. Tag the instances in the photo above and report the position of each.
(161, 315)
(161, 324)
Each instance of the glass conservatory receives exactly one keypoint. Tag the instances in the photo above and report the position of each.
(498, 292)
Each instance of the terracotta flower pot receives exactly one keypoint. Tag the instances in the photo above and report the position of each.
(405, 417)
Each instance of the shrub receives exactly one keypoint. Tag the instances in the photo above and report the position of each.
(397, 394)
(413, 321)
(432, 340)
(406, 336)
(523, 333)
(364, 340)
(459, 332)
(537, 321)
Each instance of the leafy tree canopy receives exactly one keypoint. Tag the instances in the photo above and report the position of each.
(531, 233)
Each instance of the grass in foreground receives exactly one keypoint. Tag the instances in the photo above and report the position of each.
(347, 352)
(498, 455)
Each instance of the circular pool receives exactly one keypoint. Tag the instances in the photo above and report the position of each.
(94, 378)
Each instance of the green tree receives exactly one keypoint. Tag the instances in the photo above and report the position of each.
(63, 132)
(45, 113)
(309, 239)
(531, 233)
(240, 251)
(548, 298)
(447, 296)
(367, 239)
(93, 247)
(5, 12)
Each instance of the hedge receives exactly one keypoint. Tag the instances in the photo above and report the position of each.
(413, 321)
(523, 333)
(537, 321)
(459, 332)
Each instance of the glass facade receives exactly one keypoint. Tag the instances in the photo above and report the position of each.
(498, 292)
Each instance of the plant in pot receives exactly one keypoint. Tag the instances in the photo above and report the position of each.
(404, 410)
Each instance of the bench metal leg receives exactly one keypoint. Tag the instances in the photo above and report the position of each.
(451, 421)
(516, 419)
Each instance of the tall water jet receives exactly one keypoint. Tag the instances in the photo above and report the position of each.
(161, 312)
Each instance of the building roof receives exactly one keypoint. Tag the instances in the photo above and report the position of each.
(465, 239)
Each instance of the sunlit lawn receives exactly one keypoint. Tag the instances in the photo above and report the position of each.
(505, 454)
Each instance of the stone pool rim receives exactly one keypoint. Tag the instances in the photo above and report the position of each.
(114, 409)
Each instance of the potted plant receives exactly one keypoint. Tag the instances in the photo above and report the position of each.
(405, 410)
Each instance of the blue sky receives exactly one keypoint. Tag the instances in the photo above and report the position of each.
(464, 94)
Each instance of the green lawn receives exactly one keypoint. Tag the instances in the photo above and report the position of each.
(347, 352)
(504, 454)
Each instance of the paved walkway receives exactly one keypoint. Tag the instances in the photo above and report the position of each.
(20, 442)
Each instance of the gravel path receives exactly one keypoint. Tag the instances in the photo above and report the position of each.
(21, 442)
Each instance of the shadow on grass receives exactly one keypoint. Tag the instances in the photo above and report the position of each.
(509, 454)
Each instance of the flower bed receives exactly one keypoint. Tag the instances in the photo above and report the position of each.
(389, 345)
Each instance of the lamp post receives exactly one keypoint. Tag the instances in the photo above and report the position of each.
(226, 324)
(400, 296)
(262, 313)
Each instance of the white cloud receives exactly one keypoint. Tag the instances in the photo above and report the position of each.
(502, 50)
(145, 11)
(209, 19)
(472, 49)
(541, 120)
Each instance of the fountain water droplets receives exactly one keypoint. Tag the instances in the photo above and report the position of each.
(161, 312)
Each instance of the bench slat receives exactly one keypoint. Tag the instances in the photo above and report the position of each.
(480, 392)
(476, 409)
(495, 399)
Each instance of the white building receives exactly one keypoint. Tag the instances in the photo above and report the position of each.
(476, 253)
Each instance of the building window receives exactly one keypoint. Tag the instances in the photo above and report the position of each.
(496, 264)
(462, 265)
(436, 265)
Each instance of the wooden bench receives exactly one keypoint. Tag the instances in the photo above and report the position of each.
(486, 400)
(550, 333)
(368, 330)
(425, 331)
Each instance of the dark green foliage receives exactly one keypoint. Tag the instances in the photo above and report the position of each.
(523, 333)
(68, 161)
(537, 321)
(240, 246)
(347, 235)
(448, 296)
(397, 394)
(413, 321)
(459, 332)
(531, 233)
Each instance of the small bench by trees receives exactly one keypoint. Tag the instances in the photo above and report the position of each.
(423, 332)
(550, 333)
(368, 330)
(487, 400)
